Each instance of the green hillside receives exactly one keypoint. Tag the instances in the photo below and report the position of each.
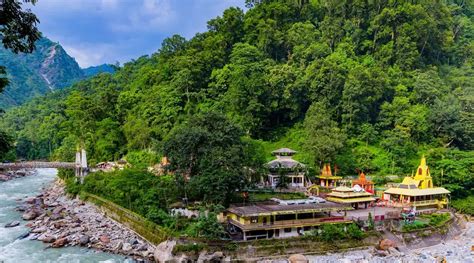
(371, 85)
(47, 68)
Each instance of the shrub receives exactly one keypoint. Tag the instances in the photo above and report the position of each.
(437, 219)
(414, 226)
(206, 226)
(354, 232)
(465, 205)
(332, 232)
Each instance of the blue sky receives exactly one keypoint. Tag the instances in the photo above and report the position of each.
(106, 31)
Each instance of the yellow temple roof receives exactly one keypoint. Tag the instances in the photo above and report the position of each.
(351, 200)
(416, 191)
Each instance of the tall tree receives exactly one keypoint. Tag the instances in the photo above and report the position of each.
(323, 137)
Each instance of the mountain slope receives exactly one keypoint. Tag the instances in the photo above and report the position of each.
(48, 68)
(94, 70)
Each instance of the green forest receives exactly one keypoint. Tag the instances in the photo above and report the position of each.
(365, 84)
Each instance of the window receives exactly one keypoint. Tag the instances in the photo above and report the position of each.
(253, 219)
(287, 230)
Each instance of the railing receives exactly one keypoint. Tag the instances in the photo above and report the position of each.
(148, 230)
(32, 165)
(289, 223)
(418, 203)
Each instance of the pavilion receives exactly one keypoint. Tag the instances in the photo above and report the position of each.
(284, 165)
(354, 196)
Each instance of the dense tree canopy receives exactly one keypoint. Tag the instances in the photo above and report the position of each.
(366, 84)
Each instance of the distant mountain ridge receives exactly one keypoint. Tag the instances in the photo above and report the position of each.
(46, 69)
(94, 70)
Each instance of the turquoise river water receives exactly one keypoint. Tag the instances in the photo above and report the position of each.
(19, 251)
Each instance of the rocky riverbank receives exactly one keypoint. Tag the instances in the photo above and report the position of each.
(61, 221)
(9, 175)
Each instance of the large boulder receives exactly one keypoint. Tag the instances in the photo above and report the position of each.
(104, 239)
(60, 242)
(83, 240)
(385, 244)
(214, 257)
(164, 251)
(298, 258)
(13, 224)
(46, 238)
(29, 215)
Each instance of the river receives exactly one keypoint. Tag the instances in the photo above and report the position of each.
(19, 251)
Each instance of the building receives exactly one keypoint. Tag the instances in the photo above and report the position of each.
(284, 166)
(367, 185)
(261, 221)
(326, 179)
(417, 191)
(355, 197)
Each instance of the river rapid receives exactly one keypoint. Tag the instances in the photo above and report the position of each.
(19, 251)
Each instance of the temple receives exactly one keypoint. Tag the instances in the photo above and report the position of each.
(417, 191)
(367, 185)
(356, 196)
(284, 165)
(261, 221)
(326, 178)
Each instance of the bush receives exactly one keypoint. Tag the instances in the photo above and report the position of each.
(136, 190)
(437, 219)
(142, 159)
(354, 232)
(465, 205)
(414, 226)
(332, 232)
(207, 227)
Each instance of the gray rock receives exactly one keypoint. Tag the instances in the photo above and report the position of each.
(83, 240)
(30, 215)
(40, 229)
(13, 224)
(126, 247)
(163, 251)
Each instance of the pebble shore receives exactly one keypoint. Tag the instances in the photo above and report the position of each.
(9, 175)
(61, 221)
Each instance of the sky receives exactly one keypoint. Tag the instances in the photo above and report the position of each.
(106, 31)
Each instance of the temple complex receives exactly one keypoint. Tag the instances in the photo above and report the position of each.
(284, 165)
(326, 179)
(367, 185)
(417, 191)
(356, 196)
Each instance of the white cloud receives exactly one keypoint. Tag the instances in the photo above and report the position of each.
(89, 55)
(146, 16)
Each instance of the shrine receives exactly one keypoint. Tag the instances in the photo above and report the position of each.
(417, 191)
(326, 179)
(362, 181)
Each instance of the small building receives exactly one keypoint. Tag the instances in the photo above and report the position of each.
(326, 179)
(355, 197)
(261, 221)
(367, 185)
(417, 191)
(285, 166)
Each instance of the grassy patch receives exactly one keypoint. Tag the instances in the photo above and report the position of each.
(437, 219)
(414, 226)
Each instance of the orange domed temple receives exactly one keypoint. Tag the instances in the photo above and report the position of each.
(367, 185)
